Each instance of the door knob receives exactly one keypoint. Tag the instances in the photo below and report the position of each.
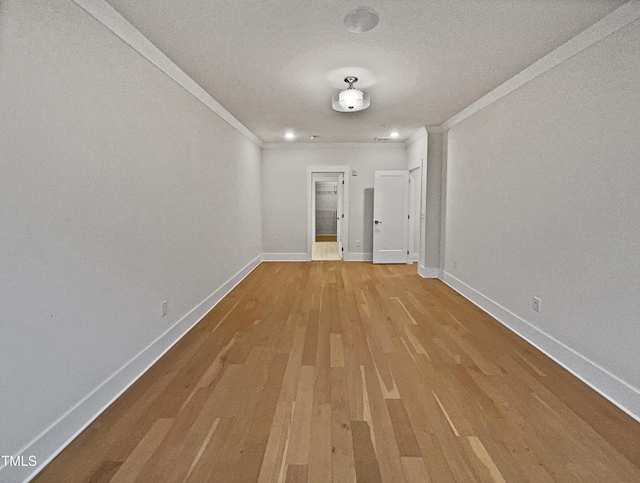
(377, 222)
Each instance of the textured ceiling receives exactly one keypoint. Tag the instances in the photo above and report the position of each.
(275, 64)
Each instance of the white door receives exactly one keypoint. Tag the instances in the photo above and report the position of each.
(340, 215)
(391, 217)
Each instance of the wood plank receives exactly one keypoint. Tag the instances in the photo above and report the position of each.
(337, 356)
(342, 459)
(320, 450)
(414, 470)
(300, 440)
(405, 437)
(262, 414)
(381, 430)
(310, 350)
(367, 469)
(203, 447)
(483, 456)
(105, 471)
(277, 444)
(140, 455)
(297, 474)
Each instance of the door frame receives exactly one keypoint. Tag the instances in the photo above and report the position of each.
(339, 212)
(311, 205)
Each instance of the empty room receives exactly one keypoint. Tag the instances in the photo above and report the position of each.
(319, 241)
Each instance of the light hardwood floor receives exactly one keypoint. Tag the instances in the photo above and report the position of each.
(332, 371)
(325, 251)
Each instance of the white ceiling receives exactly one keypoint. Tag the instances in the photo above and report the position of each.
(275, 64)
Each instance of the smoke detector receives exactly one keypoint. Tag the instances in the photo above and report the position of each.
(360, 20)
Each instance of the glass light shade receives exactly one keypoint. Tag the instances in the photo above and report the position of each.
(350, 100)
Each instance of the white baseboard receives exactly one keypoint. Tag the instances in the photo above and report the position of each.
(57, 436)
(619, 392)
(358, 257)
(286, 257)
(304, 257)
(428, 272)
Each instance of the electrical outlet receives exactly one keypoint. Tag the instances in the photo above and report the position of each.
(164, 308)
(357, 243)
(536, 304)
(455, 263)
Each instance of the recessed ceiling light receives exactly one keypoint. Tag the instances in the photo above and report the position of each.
(362, 19)
(289, 135)
(314, 136)
(395, 134)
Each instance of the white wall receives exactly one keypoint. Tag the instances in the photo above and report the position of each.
(118, 190)
(416, 156)
(434, 203)
(426, 150)
(543, 199)
(415, 208)
(284, 192)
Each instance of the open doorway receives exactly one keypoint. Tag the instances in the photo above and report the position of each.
(327, 212)
(327, 216)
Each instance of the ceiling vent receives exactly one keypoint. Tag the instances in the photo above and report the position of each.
(385, 138)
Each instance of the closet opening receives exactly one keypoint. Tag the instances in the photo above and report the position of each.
(328, 221)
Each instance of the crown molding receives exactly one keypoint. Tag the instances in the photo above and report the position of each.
(419, 134)
(436, 129)
(112, 20)
(116, 23)
(619, 18)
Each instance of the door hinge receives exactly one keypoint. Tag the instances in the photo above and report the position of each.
(408, 217)
(407, 252)
(342, 215)
(342, 248)
(342, 181)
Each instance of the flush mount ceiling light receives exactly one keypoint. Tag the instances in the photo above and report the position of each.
(289, 135)
(362, 19)
(350, 99)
